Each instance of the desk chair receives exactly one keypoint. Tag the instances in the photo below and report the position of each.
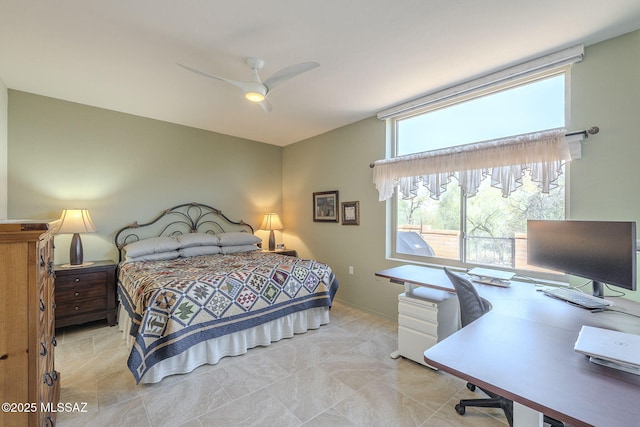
(473, 306)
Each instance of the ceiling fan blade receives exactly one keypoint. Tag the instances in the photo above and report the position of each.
(288, 73)
(245, 86)
(266, 105)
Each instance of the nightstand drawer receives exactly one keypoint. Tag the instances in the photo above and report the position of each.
(79, 278)
(81, 306)
(74, 291)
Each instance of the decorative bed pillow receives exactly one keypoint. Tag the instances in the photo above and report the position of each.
(199, 250)
(160, 256)
(153, 245)
(236, 238)
(234, 249)
(197, 239)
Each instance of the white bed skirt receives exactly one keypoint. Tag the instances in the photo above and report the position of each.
(211, 351)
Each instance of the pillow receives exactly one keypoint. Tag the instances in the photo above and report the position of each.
(199, 250)
(160, 256)
(234, 249)
(197, 239)
(151, 246)
(236, 238)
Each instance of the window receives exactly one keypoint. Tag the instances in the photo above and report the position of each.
(487, 228)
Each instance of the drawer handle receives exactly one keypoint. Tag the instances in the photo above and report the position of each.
(76, 294)
(52, 272)
(43, 352)
(48, 422)
(4, 357)
(54, 374)
(76, 308)
(54, 341)
(48, 379)
(42, 306)
(42, 264)
(77, 280)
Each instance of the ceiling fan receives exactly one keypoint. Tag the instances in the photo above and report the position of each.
(257, 90)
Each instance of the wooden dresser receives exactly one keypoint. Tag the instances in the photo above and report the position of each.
(29, 384)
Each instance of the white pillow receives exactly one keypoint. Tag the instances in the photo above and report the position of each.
(199, 250)
(160, 256)
(236, 238)
(151, 246)
(197, 239)
(234, 249)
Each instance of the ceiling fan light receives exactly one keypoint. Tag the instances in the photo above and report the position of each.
(254, 96)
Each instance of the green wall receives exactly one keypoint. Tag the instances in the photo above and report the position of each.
(605, 92)
(339, 160)
(125, 168)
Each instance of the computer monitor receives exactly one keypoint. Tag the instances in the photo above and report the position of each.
(602, 251)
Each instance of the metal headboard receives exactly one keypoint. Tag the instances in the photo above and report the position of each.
(181, 219)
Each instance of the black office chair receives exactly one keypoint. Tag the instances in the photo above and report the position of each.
(473, 306)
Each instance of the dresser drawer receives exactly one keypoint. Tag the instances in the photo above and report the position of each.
(81, 306)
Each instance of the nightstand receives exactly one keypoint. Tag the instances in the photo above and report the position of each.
(286, 252)
(84, 294)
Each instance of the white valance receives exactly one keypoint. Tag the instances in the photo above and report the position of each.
(504, 160)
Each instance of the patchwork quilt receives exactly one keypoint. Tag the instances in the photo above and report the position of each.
(177, 303)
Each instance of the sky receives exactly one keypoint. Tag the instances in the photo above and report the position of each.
(533, 107)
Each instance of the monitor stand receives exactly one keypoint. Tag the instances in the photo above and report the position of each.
(598, 289)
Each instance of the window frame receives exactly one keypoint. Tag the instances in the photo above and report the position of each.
(392, 149)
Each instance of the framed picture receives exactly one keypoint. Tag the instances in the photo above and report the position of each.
(350, 213)
(325, 206)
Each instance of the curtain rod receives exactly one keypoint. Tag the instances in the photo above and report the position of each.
(585, 133)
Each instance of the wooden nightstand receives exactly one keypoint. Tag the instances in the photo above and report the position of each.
(286, 252)
(84, 294)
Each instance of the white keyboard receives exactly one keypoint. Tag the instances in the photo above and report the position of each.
(576, 297)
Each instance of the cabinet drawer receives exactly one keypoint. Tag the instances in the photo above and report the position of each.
(412, 344)
(72, 292)
(424, 312)
(80, 306)
(425, 327)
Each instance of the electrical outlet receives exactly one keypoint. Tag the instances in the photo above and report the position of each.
(351, 269)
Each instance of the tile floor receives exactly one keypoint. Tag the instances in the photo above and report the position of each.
(338, 375)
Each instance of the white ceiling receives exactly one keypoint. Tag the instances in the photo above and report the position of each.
(373, 54)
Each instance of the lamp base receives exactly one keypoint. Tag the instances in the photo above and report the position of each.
(272, 241)
(75, 250)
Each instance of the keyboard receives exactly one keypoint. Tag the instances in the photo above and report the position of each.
(576, 297)
(491, 281)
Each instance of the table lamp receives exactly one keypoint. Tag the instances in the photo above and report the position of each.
(76, 221)
(271, 221)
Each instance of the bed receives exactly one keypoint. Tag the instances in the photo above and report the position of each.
(194, 287)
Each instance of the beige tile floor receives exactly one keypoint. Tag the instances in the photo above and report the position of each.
(338, 375)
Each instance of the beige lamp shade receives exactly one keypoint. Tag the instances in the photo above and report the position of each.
(271, 221)
(76, 221)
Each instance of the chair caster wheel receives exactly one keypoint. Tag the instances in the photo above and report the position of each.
(460, 409)
(471, 387)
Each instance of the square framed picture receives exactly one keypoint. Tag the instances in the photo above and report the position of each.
(325, 206)
(350, 213)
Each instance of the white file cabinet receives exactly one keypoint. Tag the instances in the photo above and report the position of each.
(425, 316)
